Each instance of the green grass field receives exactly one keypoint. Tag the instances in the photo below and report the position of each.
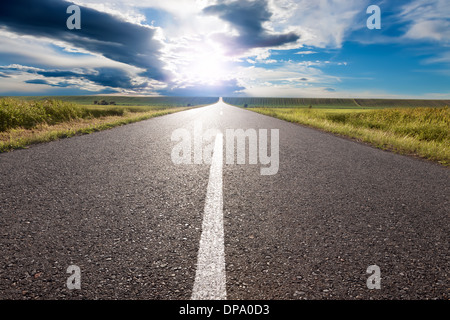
(27, 121)
(130, 100)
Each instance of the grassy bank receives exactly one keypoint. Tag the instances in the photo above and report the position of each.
(25, 122)
(422, 132)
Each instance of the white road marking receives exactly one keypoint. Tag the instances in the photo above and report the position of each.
(210, 277)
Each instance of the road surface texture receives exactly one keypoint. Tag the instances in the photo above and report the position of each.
(114, 204)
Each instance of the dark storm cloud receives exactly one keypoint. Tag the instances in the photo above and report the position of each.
(107, 77)
(115, 78)
(58, 73)
(42, 81)
(247, 17)
(100, 32)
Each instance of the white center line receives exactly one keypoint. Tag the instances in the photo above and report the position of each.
(210, 277)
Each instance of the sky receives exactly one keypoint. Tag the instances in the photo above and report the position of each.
(260, 48)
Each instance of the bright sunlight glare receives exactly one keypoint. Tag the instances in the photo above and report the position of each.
(205, 66)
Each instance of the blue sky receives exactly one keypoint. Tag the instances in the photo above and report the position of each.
(279, 48)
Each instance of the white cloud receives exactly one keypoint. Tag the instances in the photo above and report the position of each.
(286, 74)
(427, 19)
(430, 29)
(425, 9)
(322, 23)
(306, 52)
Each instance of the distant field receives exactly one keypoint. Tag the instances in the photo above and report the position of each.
(27, 121)
(333, 103)
(131, 100)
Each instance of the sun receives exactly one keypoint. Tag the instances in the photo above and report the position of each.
(206, 69)
(205, 66)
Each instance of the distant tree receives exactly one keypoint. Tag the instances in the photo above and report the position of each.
(188, 104)
(103, 103)
(245, 105)
(310, 106)
(112, 103)
(95, 102)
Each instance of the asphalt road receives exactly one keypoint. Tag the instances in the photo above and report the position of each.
(114, 204)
